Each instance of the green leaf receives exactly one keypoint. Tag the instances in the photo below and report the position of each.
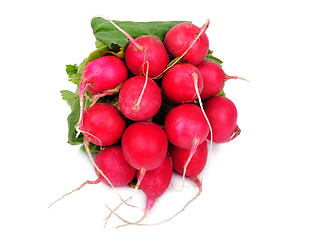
(71, 69)
(67, 96)
(108, 34)
(221, 93)
(73, 119)
(92, 147)
(76, 78)
(210, 57)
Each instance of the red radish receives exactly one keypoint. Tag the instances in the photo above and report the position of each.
(144, 145)
(222, 115)
(186, 126)
(144, 54)
(143, 49)
(113, 164)
(188, 40)
(102, 124)
(180, 159)
(114, 169)
(140, 98)
(156, 182)
(178, 83)
(100, 76)
(214, 78)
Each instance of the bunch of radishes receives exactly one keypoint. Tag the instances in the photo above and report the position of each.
(152, 107)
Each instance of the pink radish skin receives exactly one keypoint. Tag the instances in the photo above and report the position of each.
(156, 182)
(185, 126)
(144, 145)
(213, 77)
(103, 74)
(138, 103)
(197, 163)
(113, 164)
(99, 76)
(180, 37)
(178, 83)
(222, 115)
(146, 48)
(102, 124)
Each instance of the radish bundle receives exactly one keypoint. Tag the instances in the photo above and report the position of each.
(149, 100)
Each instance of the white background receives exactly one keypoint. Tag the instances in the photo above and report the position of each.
(256, 187)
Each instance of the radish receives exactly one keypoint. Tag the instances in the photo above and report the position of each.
(186, 126)
(188, 40)
(140, 98)
(144, 145)
(112, 167)
(154, 184)
(100, 77)
(195, 166)
(143, 52)
(222, 114)
(143, 49)
(102, 124)
(178, 83)
(113, 164)
(214, 78)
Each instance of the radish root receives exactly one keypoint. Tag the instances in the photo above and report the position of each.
(82, 185)
(197, 181)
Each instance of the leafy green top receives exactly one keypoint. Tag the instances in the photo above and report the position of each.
(108, 34)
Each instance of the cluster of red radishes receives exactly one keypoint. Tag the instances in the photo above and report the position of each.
(166, 110)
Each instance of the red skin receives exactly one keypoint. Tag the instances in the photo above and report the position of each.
(197, 163)
(104, 73)
(156, 182)
(102, 124)
(180, 37)
(213, 77)
(130, 93)
(178, 83)
(144, 145)
(222, 115)
(113, 164)
(185, 123)
(152, 51)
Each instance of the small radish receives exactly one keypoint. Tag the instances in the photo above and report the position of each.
(186, 126)
(143, 49)
(144, 54)
(156, 182)
(139, 98)
(144, 145)
(113, 164)
(101, 75)
(102, 124)
(115, 170)
(222, 114)
(214, 78)
(188, 40)
(178, 83)
(180, 159)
